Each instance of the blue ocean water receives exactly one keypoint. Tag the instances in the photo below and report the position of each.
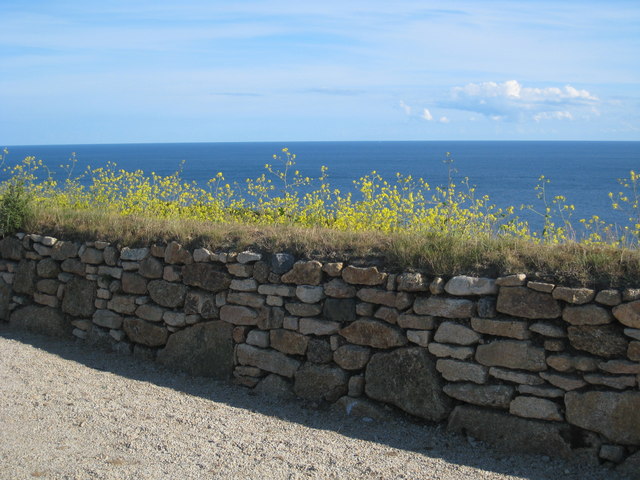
(584, 172)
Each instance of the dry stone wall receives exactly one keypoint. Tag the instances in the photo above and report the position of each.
(524, 365)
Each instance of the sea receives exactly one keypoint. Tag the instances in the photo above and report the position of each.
(506, 171)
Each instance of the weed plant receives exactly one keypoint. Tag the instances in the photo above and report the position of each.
(444, 229)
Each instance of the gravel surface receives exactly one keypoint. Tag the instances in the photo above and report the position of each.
(68, 412)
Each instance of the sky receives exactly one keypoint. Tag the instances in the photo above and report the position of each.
(85, 71)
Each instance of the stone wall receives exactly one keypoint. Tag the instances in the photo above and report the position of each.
(524, 365)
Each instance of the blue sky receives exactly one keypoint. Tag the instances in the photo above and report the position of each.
(80, 71)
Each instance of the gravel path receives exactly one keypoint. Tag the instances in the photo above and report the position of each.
(67, 412)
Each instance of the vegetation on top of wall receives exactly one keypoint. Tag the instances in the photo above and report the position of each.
(406, 223)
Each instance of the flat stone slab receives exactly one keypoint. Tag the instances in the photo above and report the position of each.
(527, 303)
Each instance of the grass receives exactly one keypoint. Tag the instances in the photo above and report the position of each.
(574, 264)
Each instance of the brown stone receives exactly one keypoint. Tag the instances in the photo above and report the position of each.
(289, 342)
(333, 269)
(444, 307)
(352, 357)
(316, 326)
(175, 254)
(498, 396)
(63, 250)
(609, 297)
(48, 268)
(203, 350)
(122, 304)
(79, 297)
(134, 283)
(166, 293)
(363, 276)
(303, 309)
(511, 354)
(527, 303)
(463, 285)
(511, 328)
(516, 280)
(201, 303)
(601, 340)
(150, 312)
(304, 273)
(248, 299)
(206, 276)
(614, 415)
(373, 333)
(407, 378)
(378, 297)
(633, 352)
(320, 382)
(240, 270)
(510, 433)
(577, 296)
(145, 333)
(586, 315)
(442, 350)
(541, 286)
(107, 319)
(628, 314)
(620, 367)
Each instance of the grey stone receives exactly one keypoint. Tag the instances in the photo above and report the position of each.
(510, 328)
(373, 333)
(201, 303)
(175, 254)
(487, 307)
(244, 285)
(630, 467)
(315, 326)
(619, 382)
(167, 294)
(145, 333)
(463, 285)
(201, 255)
(152, 313)
(614, 415)
(498, 396)
(107, 319)
(278, 290)
(337, 288)
(275, 386)
(516, 280)
(248, 257)
(613, 453)
(457, 371)
(123, 304)
(633, 352)
(309, 293)
(175, 319)
(512, 354)
(416, 322)
(419, 337)
(205, 349)
(339, 309)
(609, 297)
(444, 307)
(151, 267)
(134, 283)
(320, 382)
(45, 320)
(248, 299)
(73, 265)
(510, 433)
(450, 332)
(356, 386)
(442, 350)
(11, 248)
(548, 330)
(524, 302)
(407, 378)
(5, 301)
(48, 286)
(25, 278)
(565, 382)
(541, 286)
(110, 255)
(515, 376)
(319, 350)
(63, 250)
(303, 309)
(412, 282)
(281, 263)
(267, 359)
(206, 276)
(541, 391)
(270, 318)
(377, 297)
(601, 340)
(92, 256)
(79, 297)
(533, 407)
(241, 315)
(352, 357)
(48, 268)
(620, 367)
(633, 333)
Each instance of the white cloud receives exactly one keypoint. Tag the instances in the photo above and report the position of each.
(512, 101)
(426, 114)
(444, 120)
(406, 108)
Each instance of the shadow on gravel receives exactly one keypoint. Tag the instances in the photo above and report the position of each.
(400, 431)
